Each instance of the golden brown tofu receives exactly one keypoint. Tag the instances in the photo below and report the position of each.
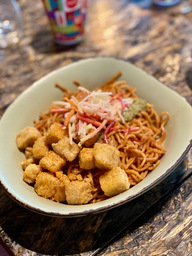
(30, 173)
(106, 156)
(50, 187)
(28, 152)
(90, 142)
(65, 149)
(26, 162)
(40, 148)
(55, 133)
(78, 192)
(86, 159)
(26, 137)
(63, 177)
(114, 182)
(52, 162)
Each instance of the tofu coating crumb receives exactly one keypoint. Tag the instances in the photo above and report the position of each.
(106, 156)
(31, 172)
(66, 149)
(86, 159)
(55, 133)
(78, 192)
(28, 152)
(50, 187)
(63, 177)
(52, 162)
(26, 137)
(40, 148)
(114, 182)
(27, 162)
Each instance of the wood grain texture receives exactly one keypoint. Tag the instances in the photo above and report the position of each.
(160, 221)
(165, 229)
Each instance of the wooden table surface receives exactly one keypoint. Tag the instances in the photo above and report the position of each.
(158, 40)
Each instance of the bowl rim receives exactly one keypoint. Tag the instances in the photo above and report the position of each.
(102, 207)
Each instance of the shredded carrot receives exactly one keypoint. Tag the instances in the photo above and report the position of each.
(73, 105)
(59, 110)
(68, 117)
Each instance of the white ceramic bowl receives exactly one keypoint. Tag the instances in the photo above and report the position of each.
(91, 73)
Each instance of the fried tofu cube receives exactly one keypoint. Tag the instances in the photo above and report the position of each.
(86, 159)
(90, 142)
(28, 152)
(106, 156)
(50, 187)
(55, 133)
(114, 182)
(66, 149)
(63, 177)
(52, 162)
(26, 137)
(26, 162)
(78, 192)
(40, 148)
(31, 172)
